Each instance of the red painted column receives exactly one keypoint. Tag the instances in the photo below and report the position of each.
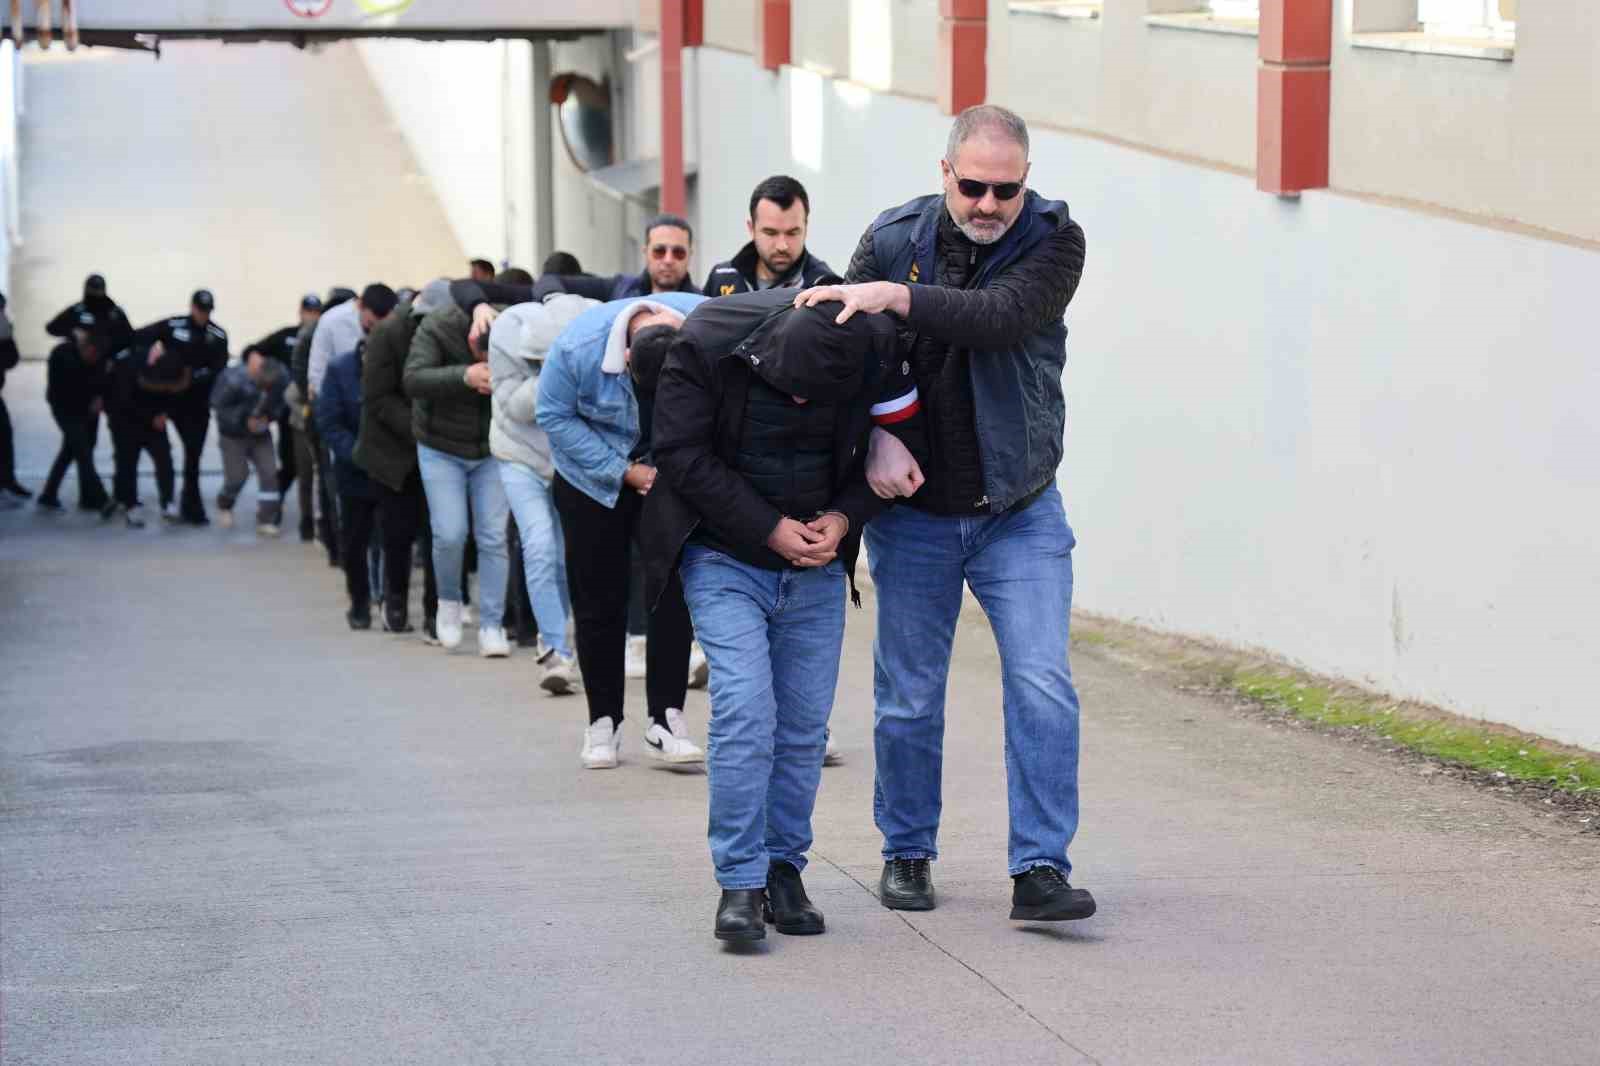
(1292, 95)
(963, 54)
(674, 188)
(772, 33)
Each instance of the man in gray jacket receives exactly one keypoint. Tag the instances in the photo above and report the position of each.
(518, 342)
(247, 399)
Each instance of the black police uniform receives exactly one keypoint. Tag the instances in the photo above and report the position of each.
(203, 351)
(102, 316)
(136, 394)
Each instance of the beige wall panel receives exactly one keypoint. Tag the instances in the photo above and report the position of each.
(731, 24)
(820, 36)
(1054, 69)
(1555, 130)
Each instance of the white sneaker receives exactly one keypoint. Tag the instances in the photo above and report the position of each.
(699, 668)
(831, 755)
(267, 529)
(466, 614)
(633, 663)
(560, 673)
(601, 743)
(224, 518)
(169, 514)
(134, 518)
(448, 624)
(492, 643)
(673, 744)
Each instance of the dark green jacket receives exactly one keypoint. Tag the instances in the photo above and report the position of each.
(386, 448)
(447, 414)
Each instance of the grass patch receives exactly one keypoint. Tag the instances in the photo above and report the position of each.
(1489, 751)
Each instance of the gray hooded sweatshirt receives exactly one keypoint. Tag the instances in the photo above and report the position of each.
(518, 341)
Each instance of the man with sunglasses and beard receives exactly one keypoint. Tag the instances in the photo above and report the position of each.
(980, 276)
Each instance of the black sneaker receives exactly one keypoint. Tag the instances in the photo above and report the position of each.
(49, 503)
(395, 620)
(16, 489)
(359, 617)
(430, 632)
(1043, 895)
(307, 533)
(906, 885)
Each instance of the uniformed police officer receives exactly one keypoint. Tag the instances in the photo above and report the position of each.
(96, 313)
(776, 257)
(202, 348)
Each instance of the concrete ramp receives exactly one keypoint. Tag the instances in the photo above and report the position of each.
(259, 171)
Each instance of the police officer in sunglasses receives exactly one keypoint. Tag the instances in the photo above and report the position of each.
(980, 277)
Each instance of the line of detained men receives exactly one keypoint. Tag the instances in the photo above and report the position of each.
(756, 440)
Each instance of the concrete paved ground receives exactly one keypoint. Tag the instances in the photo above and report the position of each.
(233, 832)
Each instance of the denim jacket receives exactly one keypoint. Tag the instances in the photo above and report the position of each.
(586, 401)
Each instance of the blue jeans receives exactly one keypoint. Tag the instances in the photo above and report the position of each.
(1020, 568)
(772, 639)
(450, 482)
(544, 559)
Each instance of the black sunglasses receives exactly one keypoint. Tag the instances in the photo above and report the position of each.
(977, 190)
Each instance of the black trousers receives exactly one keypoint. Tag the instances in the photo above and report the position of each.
(599, 542)
(79, 435)
(359, 512)
(405, 518)
(128, 439)
(519, 620)
(193, 426)
(286, 464)
(8, 452)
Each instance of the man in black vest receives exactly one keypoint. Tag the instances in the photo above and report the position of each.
(981, 277)
(776, 257)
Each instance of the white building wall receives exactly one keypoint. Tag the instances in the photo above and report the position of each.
(1359, 437)
(10, 192)
(464, 107)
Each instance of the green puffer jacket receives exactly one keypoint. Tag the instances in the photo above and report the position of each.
(447, 414)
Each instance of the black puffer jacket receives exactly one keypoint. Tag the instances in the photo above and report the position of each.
(702, 410)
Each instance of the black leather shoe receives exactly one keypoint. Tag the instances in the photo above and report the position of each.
(1043, 895)
(906, 885)
(395, 620)
(739, 915)
(788, 907)
(359, 617)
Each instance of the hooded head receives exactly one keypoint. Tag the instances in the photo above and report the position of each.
(811, 357)
(434, 295)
